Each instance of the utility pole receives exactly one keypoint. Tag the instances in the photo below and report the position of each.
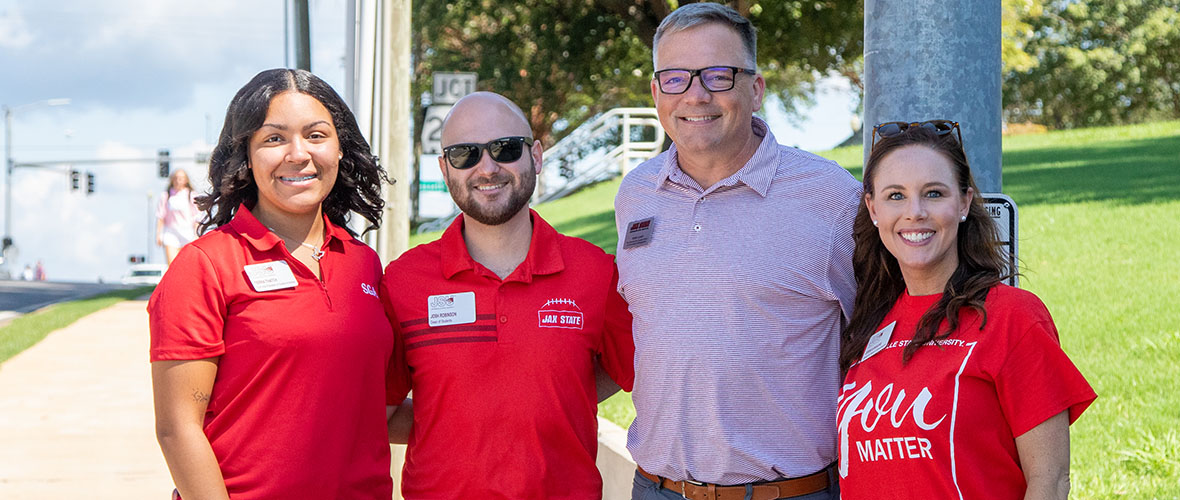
(934, 59)
(302, 35)
(10, 164)
(397, 72)
(7, 179)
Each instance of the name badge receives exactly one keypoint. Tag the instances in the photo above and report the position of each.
(878, 341)
(267, 276)
(451, 309)
(639, 233)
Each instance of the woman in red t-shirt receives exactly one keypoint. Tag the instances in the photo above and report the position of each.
(269, 345)
(956, 385)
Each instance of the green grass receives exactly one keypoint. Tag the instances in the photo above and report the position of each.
(23, 332)
(1099, 244)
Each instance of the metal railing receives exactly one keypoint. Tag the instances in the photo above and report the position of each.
(606, 147)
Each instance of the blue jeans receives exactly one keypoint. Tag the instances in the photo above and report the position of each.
(646, 489)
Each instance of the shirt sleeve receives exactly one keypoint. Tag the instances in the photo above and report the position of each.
(397, 375)
(618, 346)
(162, 207)
(841, 277)
(1038, 380)
(187, 311)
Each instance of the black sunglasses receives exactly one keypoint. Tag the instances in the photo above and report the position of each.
(503, 150)
(940, 127)
(715, 78)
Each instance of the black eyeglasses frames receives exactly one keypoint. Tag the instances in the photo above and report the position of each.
(503, 150)
(715, 78)
(940, 127)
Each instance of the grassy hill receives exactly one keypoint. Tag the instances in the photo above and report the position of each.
(1099, 243)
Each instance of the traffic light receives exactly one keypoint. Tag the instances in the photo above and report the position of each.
(89, 183)
(75, 180)
(162, 159)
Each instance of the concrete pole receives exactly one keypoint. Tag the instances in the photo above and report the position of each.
(396, 71)
(7, 175)
(937, 59)
(302, 35)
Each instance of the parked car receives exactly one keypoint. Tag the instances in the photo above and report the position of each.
(144, 274)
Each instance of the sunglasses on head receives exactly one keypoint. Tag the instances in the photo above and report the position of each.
(503, 150)
(940, 127)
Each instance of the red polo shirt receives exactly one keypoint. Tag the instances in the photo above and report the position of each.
(298, 406)
(503, 370)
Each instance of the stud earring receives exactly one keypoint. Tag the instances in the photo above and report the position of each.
(963, 218)
(874, 223)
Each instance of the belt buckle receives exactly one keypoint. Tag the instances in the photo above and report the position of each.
(688, 481)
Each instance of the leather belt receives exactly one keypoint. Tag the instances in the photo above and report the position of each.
(769, 490)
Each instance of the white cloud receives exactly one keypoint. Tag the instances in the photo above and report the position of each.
(14, 31)
(138, 53)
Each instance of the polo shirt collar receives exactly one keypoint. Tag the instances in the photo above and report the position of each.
(757, 173)
(544, 256)
(261, 238)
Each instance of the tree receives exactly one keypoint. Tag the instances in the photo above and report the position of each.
(565, 61)
(1097, 63)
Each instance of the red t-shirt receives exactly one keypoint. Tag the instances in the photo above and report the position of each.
(503, 370)
(945, 424)
(298, 404)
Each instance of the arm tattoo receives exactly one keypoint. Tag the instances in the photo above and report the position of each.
(200, 396)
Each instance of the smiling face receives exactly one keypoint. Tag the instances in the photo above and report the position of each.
(704, 124)
(294, 157)
(917, 204)
(490, 193)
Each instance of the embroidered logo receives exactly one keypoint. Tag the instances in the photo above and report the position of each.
(560, 313)
(369, 289)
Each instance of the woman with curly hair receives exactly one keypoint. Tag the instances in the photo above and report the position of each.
(269, 345)
(956, 385)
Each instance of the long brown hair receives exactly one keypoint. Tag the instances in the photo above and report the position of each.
(878, 277)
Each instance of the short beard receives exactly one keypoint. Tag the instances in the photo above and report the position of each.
(485, 215)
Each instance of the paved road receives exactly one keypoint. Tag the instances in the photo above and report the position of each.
(19, 297)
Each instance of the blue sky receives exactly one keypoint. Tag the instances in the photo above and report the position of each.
(149, 74)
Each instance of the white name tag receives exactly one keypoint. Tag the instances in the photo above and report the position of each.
(267, 276)
(878, 341)
(451, 309)
(639, 233)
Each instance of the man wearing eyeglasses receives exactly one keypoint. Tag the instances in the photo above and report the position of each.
(509, 333)
(735, 257)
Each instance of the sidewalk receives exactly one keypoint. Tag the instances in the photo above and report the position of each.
(76, 413)
(76, 418)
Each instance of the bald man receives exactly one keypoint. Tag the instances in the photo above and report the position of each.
(509, 333)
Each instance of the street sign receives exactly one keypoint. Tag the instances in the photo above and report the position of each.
(449, 87)
(1003, 211)
(433, 198)
(432, 129)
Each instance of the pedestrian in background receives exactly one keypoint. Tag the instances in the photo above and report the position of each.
(176, 215)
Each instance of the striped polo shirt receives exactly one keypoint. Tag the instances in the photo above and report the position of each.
(738, 293)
